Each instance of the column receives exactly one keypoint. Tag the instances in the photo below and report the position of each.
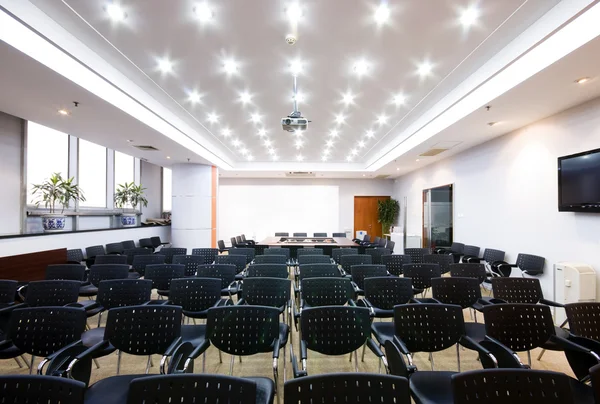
(194, 209)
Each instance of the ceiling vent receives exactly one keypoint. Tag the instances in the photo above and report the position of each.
(432, 152)
(299, 174)
(439, 148)
(146, 148)
(381, 177)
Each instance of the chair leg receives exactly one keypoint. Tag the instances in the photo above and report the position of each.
(220, 357)
(431, 359)
(541, 354)
(350, 359)
(355, 361)
(16, 358)
(24, 361)
(204, 362)
(529, 358)
(458, 356)
(99, 319)
(231, 365)
(475, 315)
(363, 352)
(118, 362)
(96, 363)
(31, 364)
(148, 363)
(284, 367)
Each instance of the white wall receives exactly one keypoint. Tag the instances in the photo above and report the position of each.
(348, 189)
(505, 193)
(151, 179)
(11, 135)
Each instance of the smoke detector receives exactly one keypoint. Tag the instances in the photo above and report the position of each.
(291, 39)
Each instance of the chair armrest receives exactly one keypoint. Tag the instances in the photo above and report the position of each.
(404, 350)
(303, 350)
(351, 303)
(355, 287)
(5, 344)
(19, 292)
(85, 354)
(424, 300)
(297, 372)
(169, 352)
(223, 302)
(572, 346)
(9, 309)
(375, 348)
(81, 306)
(500, 346)
(54, 355)
(241, 302)
(474, 345)
(490, 302)
(199, 350)
(551, 303)
(276, 348)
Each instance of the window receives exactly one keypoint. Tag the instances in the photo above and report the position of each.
(47, 153)
(167, 189)
(123, 168)
(92, 174)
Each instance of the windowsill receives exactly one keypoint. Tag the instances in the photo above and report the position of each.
(7, 236)
(83, 212)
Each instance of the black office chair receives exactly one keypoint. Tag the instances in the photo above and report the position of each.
(337, 253)
(234, 243)
(444, 261)
(277, 251)
(270, 259)
(319, 234)
(528, 264)
(75, 256)
(156, 242)
(465, 270)
(248, 242)
(309, 251)
(347, 387)
(267, 270)
(383, 293)
(393, 263)
(313, 259)
(390, 245)
(131, 253)
(222, 247)
(359, 273)
(416, 254)
(300, 235)
(67, 272)
(141, 261)
(421, 275)
(128, 244)
(240, 262)
(456, 250)
(102, 272)
(282, 234)
(347, 261)
(8, 294)
(209, 254)
(50, 293)
(146, 243)
(490, 256)
(318, 271)
(329, 291)
(111, 260)
(470, 251)
(191, 262)
(197, 295)
(246, 252)
(271, 292)
(226, 273)
(115, 248)
(161, 276)
(170, 252)
(91, 252)
(339, 235)
(40, 389)
(241, 243)
(377, 253)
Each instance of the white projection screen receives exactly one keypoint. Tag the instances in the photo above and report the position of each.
(258, 211)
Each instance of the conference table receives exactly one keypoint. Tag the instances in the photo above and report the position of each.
(293, 243)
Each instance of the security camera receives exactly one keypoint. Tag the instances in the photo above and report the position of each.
(291, 39)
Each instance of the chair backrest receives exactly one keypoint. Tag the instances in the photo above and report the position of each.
(191, 262)
(348, 387)
(247, 252)
(104, 272)
(260, 325)
(476, 271)
(366, 238)
(239, 261)
(67, 272)
(318, 271)
(272, 292)
(162, 274)
(376, 240)
(238, 240)
(270, 259)
(156, 241)
(390, 245)
(338, 235)
(490, 255)
(52, 293)
(115, 248)
(377, 253)
(140, 262)
(416, 254)
(382, 242)
(131, 253)
(335, 330)
(233, 242)
(471, 251)
(134, 330)
(385, 292)
(94, 250)
(394, 263)
(277, 251)
(309, 251)
(209, 254)
(111, 260)
(330, 291)
(313, 259)
(519, 326)
(347, 261)
(184, 388)
(457, 248)
(268, 270)
(282, 234)
(515, 386)
(41, 389)
(337, 253)
(421, 274)
(583, 319)
(8, 291)
(532, 264)
(221, 245)
(146, 243)
(123, 292)
(319, 234)
(195, 294)
(75, 255)
(41, 331)
(128, 244)
(429, 327)
(224, 272)
(300, 234)
(443, 260)
(170, 252)
(463, 292)
(243, 237)
(517, 290)
(360, 272)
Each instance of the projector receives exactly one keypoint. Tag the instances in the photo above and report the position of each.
(292, 124)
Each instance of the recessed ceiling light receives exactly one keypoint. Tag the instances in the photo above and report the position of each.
(398, 169)
(353, 152)
(203, 12)
(334, 133)
(275, 157)
(348, 98)
(349, 158)
(230, 66)
(168, 157)
(361, 67)
(382, 119)
(329, 143)
(236, 142)
(294, 12)
(212, 118)
(324, 157)
(256, 118)
(582, 80)
(417, 160)
(115, 12)
(165, 65)
(226, 132)
(130, 140)
(424, 69)
(194, 97)
(364, 175)
(299, 143)
(382, 14)
(245, 97)
(268, 143)
(339, 119)
(250, 157)
(399, 99)
(300, 157)
(244, 151)
(327, 152)
(64, 112)
(493, 123)
(361, 144)
(296, 67)
(271, 151)
(469, 16)
(369, 134)
(262, 132)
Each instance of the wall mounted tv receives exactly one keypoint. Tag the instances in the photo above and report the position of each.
(579, 182)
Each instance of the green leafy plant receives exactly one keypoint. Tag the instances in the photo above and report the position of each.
(129, 194)
(57, 191)
(387, 212)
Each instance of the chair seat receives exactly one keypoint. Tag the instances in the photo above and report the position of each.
(265, 389)
(92, 337)
(431, 387)
(383, 331)
(113, 390)
(164, 293)
(582, 393)
(88, 291)
(133, 275)
(10, 352)
(194, 334)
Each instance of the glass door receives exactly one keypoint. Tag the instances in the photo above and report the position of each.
(438, 215)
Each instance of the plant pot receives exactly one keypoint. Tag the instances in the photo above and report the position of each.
(129, 219)
(54, 222)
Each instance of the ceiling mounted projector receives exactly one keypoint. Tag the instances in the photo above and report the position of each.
(294, 121)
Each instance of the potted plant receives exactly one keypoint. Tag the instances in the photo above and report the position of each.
(387, 212)
(53, 192)
(129, 194)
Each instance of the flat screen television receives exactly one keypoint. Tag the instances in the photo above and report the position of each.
(579, 182)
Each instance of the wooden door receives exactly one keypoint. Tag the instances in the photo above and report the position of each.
(365, 215)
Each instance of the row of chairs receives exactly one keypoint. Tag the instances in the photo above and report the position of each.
(76, 255)
(377, 242)
(322, 234)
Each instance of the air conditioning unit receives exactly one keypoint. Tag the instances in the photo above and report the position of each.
(300, 174)
(573, 282)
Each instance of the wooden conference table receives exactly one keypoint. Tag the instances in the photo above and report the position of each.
(293, 243)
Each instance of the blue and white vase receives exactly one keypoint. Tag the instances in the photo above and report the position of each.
(128, 219)
(54, 222)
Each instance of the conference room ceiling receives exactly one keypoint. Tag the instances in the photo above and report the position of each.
(223, 70)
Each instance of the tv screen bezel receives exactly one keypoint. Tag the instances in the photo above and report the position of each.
(574, 208)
